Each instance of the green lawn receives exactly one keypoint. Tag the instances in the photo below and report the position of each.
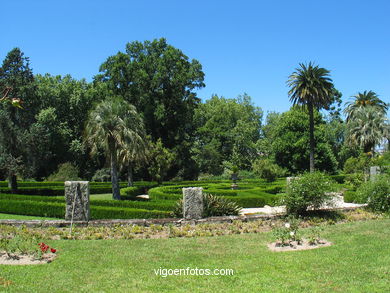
(359, 261)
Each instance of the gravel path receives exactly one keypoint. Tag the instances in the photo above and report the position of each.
(337, 203)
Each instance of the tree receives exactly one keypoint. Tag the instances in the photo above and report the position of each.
(160, 161)
(311, 86)
(159, 80)
(17, 82)
(113, 125)
(363, 100)
(136, 153)
(289, 142)
(367, 128)
(56, 135)
(227, 130)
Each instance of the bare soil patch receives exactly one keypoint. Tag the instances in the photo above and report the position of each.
(294, 245)
(25, 259)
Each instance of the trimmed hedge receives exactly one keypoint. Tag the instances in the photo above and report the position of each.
(166, 205)
(57, 210)
(251, 194)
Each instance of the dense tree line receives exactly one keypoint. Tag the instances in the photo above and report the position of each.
(141, 116)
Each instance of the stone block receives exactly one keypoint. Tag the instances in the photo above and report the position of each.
(193, 202)
(77, 200)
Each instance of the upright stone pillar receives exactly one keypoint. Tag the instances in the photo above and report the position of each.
(374, 171)
(77, 200)
(192, 202)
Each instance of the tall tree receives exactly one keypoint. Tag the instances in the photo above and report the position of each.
(228, 130)
(56, 135)
(17, 77)
(367, 128)
(312, 87)
(113, 125)
(160, 81)
(363, 100)
(288, 141)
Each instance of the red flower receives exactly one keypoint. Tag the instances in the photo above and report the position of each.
(43, 247)
(53, 250)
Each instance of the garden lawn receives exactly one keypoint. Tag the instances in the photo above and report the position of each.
(359, 261)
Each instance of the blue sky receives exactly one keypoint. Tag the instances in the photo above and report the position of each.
(244, 46)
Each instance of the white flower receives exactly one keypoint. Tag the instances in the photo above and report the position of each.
(287, 225)
(292, 233)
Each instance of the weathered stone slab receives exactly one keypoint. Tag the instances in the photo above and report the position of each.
(192, 203)
(77, 200)
(374, 171)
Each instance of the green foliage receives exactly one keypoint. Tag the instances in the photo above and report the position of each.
(131, 192)
(308, 190)
(102, 175)
(355, 180)
(290, 144)
(287, 232)
(161, 160)
(367, 99)
(249, 194)
(160, 81)
(311, 86)
(376, 193)
(212, 206)
(350, 196)
(16, 74)
(114, 125)
(367, 128)
(228, 130)
(267, 170)
(357, 165)
(65, 172)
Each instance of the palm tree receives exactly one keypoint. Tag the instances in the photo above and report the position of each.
(113, 125)
(365, 99)
(312, 87)
(368, 128)
(135, 153)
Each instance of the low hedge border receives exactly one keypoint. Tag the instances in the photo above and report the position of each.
(57, 210)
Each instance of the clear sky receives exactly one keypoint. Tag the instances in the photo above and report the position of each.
(244, 46)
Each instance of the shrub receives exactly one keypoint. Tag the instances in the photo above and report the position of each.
(212, 206)
(65, 172)
(357, 165)
(376, 194)
(350, 196)
(102, 175)
(266, 169)
(309, 190)
(355, 180)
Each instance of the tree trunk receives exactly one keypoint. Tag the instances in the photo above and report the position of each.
(129, 175)
(12, 183)
(311, 126)
(114, 176)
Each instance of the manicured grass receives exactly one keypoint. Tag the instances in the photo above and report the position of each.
(19, 217)
(359, 261)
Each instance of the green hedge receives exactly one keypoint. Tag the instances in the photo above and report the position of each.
(166, 205)
(252, 194)
(57, 210)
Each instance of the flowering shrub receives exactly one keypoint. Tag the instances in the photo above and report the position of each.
(288, 233)
(44, 248)
(309, 190)
(22, 244)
